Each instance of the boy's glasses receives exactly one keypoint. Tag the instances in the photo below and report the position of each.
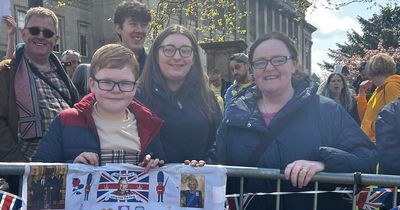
(34, 31)
(108, 85)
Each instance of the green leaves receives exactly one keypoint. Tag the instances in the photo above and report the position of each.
(212, 20)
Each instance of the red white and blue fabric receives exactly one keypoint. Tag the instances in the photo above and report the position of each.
(9, 201)
(138, 184)
(372, 199)
(234, 203)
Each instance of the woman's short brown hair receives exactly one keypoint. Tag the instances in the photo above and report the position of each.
(381, 64)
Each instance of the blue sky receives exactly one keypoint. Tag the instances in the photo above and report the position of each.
(332, 26)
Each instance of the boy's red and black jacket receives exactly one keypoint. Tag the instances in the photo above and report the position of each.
(73, 131)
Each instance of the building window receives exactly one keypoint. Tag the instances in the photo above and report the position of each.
(20, 23)
(83, 38)
(260, 19)
(269, 19)
(277, 20)
(57, 46)
(284, 24)
(83, 45)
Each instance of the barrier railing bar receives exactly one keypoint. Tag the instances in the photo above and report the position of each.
(315, 196)
(354, 197)
(278, 197)
(241, 192)
(395, 189)
(322, 177)
(391, 181)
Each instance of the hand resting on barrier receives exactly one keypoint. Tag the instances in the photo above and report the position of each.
(300, 172)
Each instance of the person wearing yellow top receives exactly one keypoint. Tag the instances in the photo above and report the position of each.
(218, 85)
(381, 70)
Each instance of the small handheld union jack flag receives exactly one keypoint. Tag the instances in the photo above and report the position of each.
(9, 201)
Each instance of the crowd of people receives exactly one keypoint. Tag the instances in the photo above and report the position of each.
(128, 106)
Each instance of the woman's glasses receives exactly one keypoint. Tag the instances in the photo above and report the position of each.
(275, 61)
(170, 50)
(47, 33)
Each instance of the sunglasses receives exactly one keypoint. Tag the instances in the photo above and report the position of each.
(47, 33)
(70, 63)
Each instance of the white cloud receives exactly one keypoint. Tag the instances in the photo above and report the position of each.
(329, 21)
(332, 26)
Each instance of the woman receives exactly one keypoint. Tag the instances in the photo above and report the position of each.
(106, 126)
(381, 70)
(337, 88)
(174, 85)
(307, 133)
(80, 79)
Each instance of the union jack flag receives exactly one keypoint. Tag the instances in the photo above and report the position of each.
(137, 190)
(233, 202)
(372, 199)
(9, 201)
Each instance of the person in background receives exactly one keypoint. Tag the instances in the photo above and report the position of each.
(107, 125)
(80, 78)
(282, 123)
(218, 86)
(70, 59)
(381, 70)
(35, 88)
(240, 68)
(362, 77)
(11, 29)
(131, 22)
(337, 88)
(174, 85)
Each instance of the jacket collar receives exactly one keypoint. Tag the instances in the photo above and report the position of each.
(243, 110)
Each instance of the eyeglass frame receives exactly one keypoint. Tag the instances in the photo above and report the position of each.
(269, 61)
(115, 84)
(176, 49)
(43, 31)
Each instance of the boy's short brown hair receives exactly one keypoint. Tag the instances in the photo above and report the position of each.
(114, 56)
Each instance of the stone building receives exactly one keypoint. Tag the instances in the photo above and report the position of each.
(88, 24)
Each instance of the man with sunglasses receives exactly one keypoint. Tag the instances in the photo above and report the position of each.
(131, 20)
(34, 88)
(70, 59)
(240, 68)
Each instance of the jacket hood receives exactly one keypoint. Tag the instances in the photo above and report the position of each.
(243, 110)
(393, 78)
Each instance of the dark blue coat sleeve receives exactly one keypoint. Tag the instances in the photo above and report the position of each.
(349, 149)
(387, 129)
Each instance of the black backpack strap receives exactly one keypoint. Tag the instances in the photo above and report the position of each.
(273, 131)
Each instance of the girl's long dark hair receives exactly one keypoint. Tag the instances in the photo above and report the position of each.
(152, 75)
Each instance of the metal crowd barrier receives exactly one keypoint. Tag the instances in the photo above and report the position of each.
(356, 179)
